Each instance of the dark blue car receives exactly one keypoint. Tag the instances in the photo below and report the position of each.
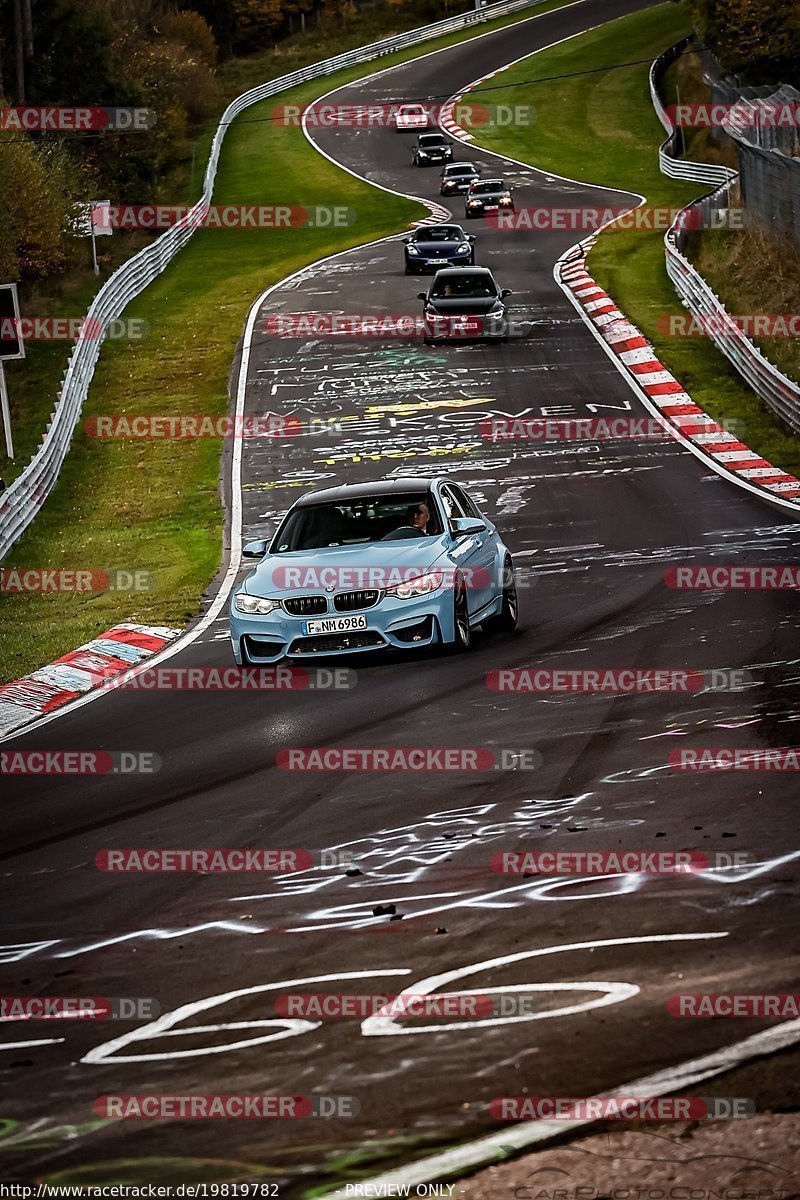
(435, 246)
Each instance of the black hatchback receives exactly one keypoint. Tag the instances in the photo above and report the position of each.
(431, 148)
(457, 178)
(464, 303)
(488, 195)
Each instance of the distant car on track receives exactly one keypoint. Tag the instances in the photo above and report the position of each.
(402, 563)
(431, 148)
(464, 303)
(411, 117)
(433, 246)
(457, 177)
(488, 195)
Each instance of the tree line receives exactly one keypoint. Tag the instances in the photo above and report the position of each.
(160, 55)
(756, 39)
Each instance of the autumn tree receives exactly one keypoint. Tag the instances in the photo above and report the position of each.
(758, 39)
(37, 185)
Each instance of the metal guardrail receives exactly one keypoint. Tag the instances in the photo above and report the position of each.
(779, 393)
(669, 161)
(23, 499)
(769, 160)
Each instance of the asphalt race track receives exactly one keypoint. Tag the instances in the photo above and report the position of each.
(593, 527)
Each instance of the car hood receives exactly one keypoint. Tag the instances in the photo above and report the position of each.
(438, 248)
(344, 568)
(477, 304)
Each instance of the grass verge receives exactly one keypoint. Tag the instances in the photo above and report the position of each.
(602, 128)
(154, 505)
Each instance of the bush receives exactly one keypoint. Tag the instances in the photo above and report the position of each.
(192, 31)
(37, 185)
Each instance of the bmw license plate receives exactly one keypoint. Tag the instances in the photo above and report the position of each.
(337, 624)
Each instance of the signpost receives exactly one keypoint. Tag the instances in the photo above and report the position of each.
(11, 346)
(91, 220)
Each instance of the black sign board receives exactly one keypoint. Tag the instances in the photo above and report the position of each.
(11, 343)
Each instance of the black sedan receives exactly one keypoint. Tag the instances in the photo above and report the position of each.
(464, 302)
(488, 195)
(457, 177)
(434, 246)
(432, 148)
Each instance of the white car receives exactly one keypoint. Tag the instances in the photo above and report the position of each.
(411, 116)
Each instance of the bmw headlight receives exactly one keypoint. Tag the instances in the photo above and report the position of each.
(474, 203)
(255, 604)
(505, 199)
(422, 153)
(420, 585)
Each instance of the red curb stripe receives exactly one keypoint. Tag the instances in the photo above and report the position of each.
(663, 389)
(747, 464)
(575, 276)
(716, 447)
(645, 368)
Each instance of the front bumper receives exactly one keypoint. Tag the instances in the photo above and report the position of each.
(420, 264)
(391, 624)
(483, 209)
(456, 329)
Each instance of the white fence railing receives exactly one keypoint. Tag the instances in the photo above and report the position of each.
(668, 153)
(23, 499)
(779, 393)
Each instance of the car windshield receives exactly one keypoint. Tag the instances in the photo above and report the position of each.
(459, 170)
(355, 522)
(411, 110)
(462, 285)
(433, 139)
(488, 187)
(440, 233)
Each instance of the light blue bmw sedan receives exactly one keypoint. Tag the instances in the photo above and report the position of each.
(408, 562)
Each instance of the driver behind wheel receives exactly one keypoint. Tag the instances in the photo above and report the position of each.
(419, 516)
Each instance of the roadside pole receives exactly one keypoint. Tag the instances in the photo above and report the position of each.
(11, 347)
(6, 412)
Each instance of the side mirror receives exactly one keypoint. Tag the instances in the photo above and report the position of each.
(422, 295)
(254, 549)
(505, 292)
(406, 241)
(466, 526)
(471, 237)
